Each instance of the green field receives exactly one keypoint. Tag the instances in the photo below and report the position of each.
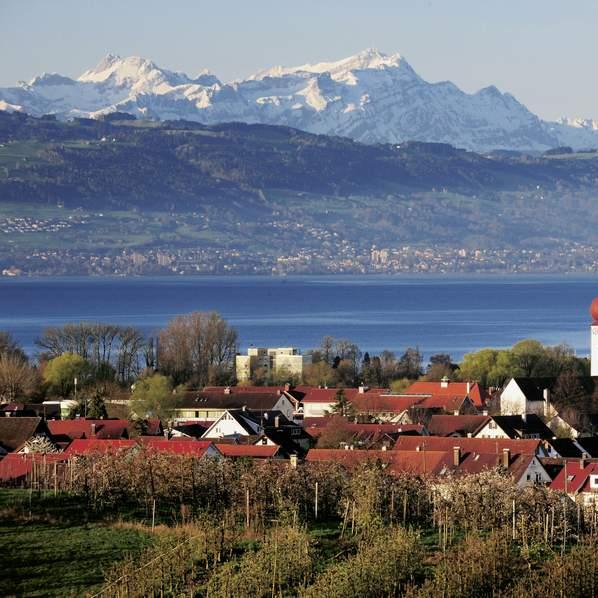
(53, 551)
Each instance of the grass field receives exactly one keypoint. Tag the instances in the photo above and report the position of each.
(51, 550)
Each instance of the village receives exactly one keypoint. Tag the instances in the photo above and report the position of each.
(204, 489)
(438, 429)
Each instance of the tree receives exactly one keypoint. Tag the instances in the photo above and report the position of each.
(199, 348)
(60, 373)
(342, 406)
(111, 350)
(9, 346)
(410, 364)
(154, 397)
(318, 374)
(91, 403)
(17, 378)
(334, 433)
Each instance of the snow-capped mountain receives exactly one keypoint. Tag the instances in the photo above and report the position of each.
(371, 97)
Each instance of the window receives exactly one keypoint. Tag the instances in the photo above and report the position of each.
(492, 425)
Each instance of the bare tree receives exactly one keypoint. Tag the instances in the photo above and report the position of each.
(17, 378)
(198, 348)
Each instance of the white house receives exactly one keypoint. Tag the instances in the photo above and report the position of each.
(527, 395)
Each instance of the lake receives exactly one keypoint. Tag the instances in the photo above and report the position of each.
(450, 314)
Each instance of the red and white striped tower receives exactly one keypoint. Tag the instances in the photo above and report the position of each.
(594, 338)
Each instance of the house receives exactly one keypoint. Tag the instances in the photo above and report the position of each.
(263, 428)
(195, 448)
(527, 395)
(478, 445)
(15, 432)
(515, 426)
(428, 406)
(366, 436)
(250, 451)
(66, 430)
(456, 425)
(445, 387)
(579, 480)
(193, 429)
(525, 468)
(368, 404)
(210, 405)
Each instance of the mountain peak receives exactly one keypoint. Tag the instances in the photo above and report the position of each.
(119, 69)
(368, 59)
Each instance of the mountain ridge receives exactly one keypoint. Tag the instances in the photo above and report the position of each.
(370, 97)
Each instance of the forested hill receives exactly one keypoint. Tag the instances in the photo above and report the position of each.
(120, 163)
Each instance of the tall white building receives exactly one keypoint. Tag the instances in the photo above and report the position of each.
(279, 360)
(594, 337)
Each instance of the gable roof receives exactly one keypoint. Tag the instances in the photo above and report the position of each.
(574, 477)
(518, 426)
(454, 389)
(459, 425)
(18, 465)
(89, 428)
(249, 451)
(260, 401)
(86, 446)
(16, 431)
(533, 388)
(479, 445)
(313, 394)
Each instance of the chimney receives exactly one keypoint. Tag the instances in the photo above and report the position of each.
(469, 435)
(546, 395)
(93, 430)
(277, 421)
(362, 388)
(506, 458)
(287, 387)
(485, 412)
(582, 460)
(524, 417)
(227, 390)
(166, 433)
(444, 382)
(456, 456)
(293, 459)
(468, 387)
(384, 447)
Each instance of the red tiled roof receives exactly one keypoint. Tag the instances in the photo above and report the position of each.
(328, 395)
(82, 428)
(428, 462)
(577, 477)
(18, 465)
(173, 447)
(478, 445)
(476, 394)
(445, 425)
(251, 451)
(446, 402)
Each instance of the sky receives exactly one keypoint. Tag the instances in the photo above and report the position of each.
(542, 51)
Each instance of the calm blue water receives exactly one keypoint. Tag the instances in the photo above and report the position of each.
(438, 314)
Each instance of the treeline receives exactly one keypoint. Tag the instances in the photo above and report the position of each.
(199, 349)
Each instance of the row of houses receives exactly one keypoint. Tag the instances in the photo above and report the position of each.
(431, 428)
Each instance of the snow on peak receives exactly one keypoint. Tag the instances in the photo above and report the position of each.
(371, 97)
(368, 59)
(118, 69)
